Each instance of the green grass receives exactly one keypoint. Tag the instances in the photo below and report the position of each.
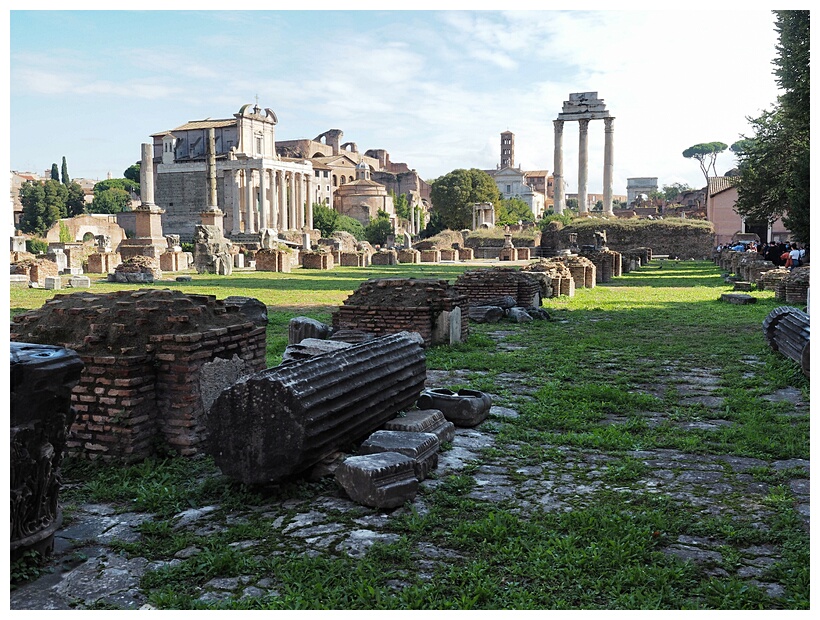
(584, 385)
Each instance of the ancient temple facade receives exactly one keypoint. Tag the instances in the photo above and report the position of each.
(256, 188)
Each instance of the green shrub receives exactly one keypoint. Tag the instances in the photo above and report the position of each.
(37, 246)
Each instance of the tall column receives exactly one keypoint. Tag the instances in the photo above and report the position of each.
(235, 202)
(609, 134)
(583, 164)
(274, 199)
(309, 204)
(211, 204)
(300, 201)
(250, 202)
(558, 167)
(283, 196)
(147, 175)
(291, 201)
(263, 198)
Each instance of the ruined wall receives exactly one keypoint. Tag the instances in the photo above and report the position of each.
(392, 305)
(482, 285)
(144, 352)
(682, 238)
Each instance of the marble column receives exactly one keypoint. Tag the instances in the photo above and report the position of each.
(263, 198)
(291, 201)
(274, 200)
(235, 202)
(309, 203)
(250, 202)
(282, 188)
(583, 164)
(211, 156)
(300, 206)
(609, 134)
(558, 165)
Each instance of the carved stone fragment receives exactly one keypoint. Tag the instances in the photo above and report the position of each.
(424, 421)
(421, 447)
(383, 480)
(465, 408)
(280, 421)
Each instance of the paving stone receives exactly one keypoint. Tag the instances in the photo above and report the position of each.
(424, 421)
(382, 480)
(421, 447)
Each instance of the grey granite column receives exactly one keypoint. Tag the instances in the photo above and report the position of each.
(274, 198)
(583, 164)
(291, 201)
(558, 165)
(609, 134)
(211, 205)
(309, 203)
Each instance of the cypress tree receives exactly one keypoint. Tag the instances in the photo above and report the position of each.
(55, 174)
(64, 176)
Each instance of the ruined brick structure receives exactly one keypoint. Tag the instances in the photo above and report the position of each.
(482, 285)
(37, 269)
(144, 354)
(390, 305)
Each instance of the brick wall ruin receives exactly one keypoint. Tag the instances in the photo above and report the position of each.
(147, 355)
(391, 305)
(482, 285)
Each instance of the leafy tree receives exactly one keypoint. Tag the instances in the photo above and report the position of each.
(454, 194)
(351, 225)
(125, 184)
(64, 176)
(706, 153)
(511, 211)
(112, 200)
(65, 233)
(132, 173)
(402, 205)
(377, 230)
(572, 204)
(55, 173)
(670, 192)
(325, 218)
(42, 206)
(774, 163)
(75, 200)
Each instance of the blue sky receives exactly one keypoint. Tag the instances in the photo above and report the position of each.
(433, 88)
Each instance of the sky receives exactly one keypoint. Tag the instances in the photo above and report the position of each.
(434, 88)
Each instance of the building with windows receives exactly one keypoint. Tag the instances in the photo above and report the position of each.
(256, 187)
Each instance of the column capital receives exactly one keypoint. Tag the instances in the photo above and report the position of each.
(558, 124)
(609, 123)
(583, 123)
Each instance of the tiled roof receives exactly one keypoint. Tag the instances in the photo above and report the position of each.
(205, 124)
(720, 184)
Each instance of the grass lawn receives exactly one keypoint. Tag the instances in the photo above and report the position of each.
(596, 394)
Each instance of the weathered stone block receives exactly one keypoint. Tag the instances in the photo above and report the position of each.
(486, 314)
(421, 447)
(738, 298)
(302, 327)
(385, 480)
(79, 282)
(424, 421)
(53, 282)
(311, 347)
(464, 408)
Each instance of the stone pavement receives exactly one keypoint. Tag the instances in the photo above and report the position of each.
(87, 572)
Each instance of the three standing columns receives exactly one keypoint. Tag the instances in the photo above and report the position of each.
(583, 165)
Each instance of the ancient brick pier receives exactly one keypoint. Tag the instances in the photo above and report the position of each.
(146, 355)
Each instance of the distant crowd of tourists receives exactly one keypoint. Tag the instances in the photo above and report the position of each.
(789, 255)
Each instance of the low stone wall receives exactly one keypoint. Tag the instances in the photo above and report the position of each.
(384, 257)
(274, 260)
(408, 256)
(103, 263)
(317, 260)
(430, 256)
(37, 270)
(353, 259)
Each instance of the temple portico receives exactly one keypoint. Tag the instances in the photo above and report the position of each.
(231, 165)
(583, 107)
